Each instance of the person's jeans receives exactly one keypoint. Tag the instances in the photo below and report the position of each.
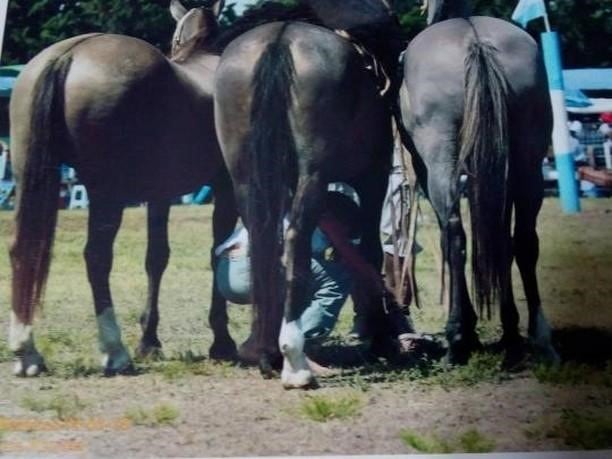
(330, 286)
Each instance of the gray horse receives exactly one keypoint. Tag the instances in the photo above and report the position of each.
(475, 101)
(296, 109)
(137, 127)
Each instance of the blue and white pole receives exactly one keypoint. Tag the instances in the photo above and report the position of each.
(564, 159)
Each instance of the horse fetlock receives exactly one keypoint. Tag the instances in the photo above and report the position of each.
(149, 349)
(223, 349)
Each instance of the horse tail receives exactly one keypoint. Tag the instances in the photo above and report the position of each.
(483, 156)
(273, 169)
(38, 190)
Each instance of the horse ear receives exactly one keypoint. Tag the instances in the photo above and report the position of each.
(217, 7)
(177, 10)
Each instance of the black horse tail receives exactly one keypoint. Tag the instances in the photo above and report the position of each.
(272, 163)
(38, 187)
(483, 156)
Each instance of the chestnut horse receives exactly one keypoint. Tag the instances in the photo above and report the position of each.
(136, 126)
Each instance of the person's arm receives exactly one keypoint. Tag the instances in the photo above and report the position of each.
(353, 260)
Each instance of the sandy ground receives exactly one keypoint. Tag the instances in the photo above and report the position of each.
(241, 414)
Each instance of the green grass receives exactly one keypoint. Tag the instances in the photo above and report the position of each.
(63, 406)
(581, 430)
(572, 373)
(470, 441)
(159, 415)
(187, 363)
(425, 444)
(481, 368)
(5, 353)
(66, 331)
(322, 408)
(473, 441)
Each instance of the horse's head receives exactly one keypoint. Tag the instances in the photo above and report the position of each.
(193, 26)
(439, 10)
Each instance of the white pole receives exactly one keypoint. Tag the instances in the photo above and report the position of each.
(3, 12)
(546, 22)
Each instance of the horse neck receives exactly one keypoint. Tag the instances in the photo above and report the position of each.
(200, 69)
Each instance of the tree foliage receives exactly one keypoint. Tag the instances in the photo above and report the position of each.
(585, 25)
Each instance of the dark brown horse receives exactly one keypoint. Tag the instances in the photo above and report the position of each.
(136, 126)
(475, 101)
(295, 109)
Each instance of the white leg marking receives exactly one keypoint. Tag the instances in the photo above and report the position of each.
(29, 362)
(296, 372)
(115, 356)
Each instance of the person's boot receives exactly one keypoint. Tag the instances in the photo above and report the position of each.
(361, 330)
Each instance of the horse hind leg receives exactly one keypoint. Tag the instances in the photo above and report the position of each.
(104, 221)
(461, 325)
(528, 202)
(296, 372)
(224, 221)
(511, 341)
(158, 253)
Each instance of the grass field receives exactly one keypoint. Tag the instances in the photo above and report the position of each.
(203, 404)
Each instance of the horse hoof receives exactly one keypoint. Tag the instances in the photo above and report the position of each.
(513, 348)
(460, 350)
(118, 364)
(270, 365)
(146, 351)
(127, 370)
(546, 354)
(29, 370)
(29, 364)
(302, 379)
(223, 350)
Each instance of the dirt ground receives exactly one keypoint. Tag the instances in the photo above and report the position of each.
(189, 406)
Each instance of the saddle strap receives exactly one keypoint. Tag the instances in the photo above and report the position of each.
(370, 62)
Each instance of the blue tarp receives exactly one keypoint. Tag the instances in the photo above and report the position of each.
(588, 79)
(576, 98)
(8, 75)
(6, 86)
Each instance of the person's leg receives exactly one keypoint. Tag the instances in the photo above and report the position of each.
(331, 284)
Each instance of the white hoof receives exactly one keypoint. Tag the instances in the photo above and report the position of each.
(296, 373)
(298, 379)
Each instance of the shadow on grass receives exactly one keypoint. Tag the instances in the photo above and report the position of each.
(586, 355)
(590, 346)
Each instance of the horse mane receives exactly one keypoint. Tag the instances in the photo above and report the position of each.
(263, 14)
